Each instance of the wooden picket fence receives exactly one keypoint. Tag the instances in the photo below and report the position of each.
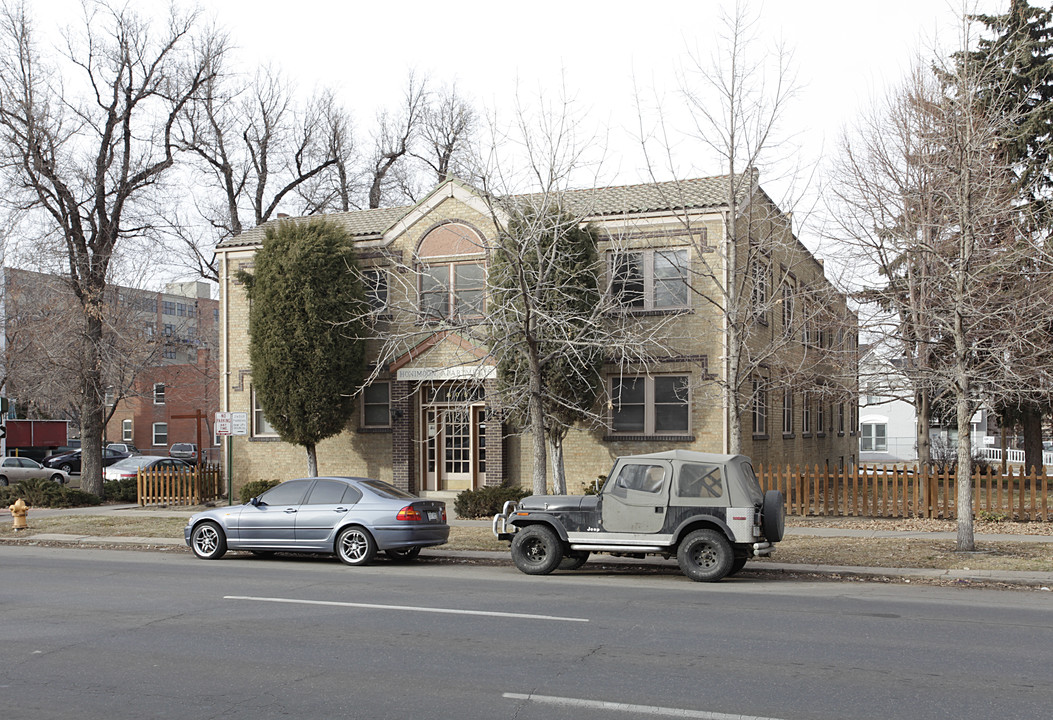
(165, 486)
(895, 492)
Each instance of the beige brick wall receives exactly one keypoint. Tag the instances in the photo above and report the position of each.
(588, 452)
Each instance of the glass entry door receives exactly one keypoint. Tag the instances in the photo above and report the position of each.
(450, 451)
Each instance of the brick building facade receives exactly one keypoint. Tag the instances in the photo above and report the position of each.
(427, 422)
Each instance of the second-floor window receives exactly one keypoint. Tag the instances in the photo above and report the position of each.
(159, 394)
(453, 290)
(658, 405)
(649, 279)
(376, 285)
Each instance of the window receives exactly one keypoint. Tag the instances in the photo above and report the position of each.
(697, 480)
(820, 417)
(376, 282)
(873, 438)
(376, 404)
(853, 418)
(760, 406)
(168, 354)
(109, 396)
(452, 291)
(787, 411)
(168, 308)
(126, 431)
(641, 478)
(806, 414)
(759, 295)
(181, 309)
(260, 426)
(332, 492)
(290, 492)
(649, 279)
(160, 434)
(841, 418)
(159, 394)
(787, 308)
(169, 330)
(650, 405)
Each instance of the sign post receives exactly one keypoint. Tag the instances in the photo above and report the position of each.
(229, 424)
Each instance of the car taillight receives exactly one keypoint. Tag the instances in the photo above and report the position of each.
(444, 513)
(409, 513)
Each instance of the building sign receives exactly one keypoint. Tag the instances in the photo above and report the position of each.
(232, 423)
(477, 372)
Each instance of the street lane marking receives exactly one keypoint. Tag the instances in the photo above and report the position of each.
(408, 608)
(623, 707)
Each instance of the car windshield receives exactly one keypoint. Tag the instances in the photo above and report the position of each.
(383, 489)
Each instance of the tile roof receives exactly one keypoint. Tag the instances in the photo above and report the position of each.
(695, 194)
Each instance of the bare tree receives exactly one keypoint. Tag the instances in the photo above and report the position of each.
(446, 134)
(86, 159)
(779, 319)
(257, 147)
(393, 138)
(930, 199)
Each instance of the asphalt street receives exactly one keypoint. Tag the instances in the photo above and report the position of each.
(105, 634)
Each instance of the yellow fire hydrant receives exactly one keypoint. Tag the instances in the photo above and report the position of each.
(18, 513)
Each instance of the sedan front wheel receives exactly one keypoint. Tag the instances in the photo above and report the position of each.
(208, 541)
(355, 546)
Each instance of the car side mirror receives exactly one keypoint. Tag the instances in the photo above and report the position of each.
(255, 501)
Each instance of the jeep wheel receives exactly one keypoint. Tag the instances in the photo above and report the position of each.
(574, 559)
(737, 564)
(537, 550)
(705, 556)
(773, 515)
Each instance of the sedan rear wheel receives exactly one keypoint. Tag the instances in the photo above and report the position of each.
(355, 546)
(3, 480)
(404, 554)
(208, 541)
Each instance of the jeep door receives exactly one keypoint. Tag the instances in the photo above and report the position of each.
(635, 499)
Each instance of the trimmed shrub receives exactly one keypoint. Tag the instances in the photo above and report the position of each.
(487, 501)
(254, 488)
(45, 493)
(126, 490)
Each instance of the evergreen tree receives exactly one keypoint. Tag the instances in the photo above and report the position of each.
(307, 356)
(544, 289)
(1020, 53)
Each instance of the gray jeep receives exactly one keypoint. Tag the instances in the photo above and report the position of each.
(708, 510)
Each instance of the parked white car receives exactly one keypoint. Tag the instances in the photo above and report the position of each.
(130, 466)
(14, 469)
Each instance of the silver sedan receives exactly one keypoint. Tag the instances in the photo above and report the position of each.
(14, 469)
(351, 517)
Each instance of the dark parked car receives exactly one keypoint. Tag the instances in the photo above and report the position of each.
(70, 462)
(706, 510)
(349, 516)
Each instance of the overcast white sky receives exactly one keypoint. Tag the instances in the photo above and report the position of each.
(845, 51)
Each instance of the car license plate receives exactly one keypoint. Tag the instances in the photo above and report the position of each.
(433, 516)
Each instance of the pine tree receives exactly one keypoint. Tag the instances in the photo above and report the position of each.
(306, 345)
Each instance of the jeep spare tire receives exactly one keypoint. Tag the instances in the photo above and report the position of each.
(773, 515)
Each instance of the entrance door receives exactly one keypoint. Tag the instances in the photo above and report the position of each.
(450, 451)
